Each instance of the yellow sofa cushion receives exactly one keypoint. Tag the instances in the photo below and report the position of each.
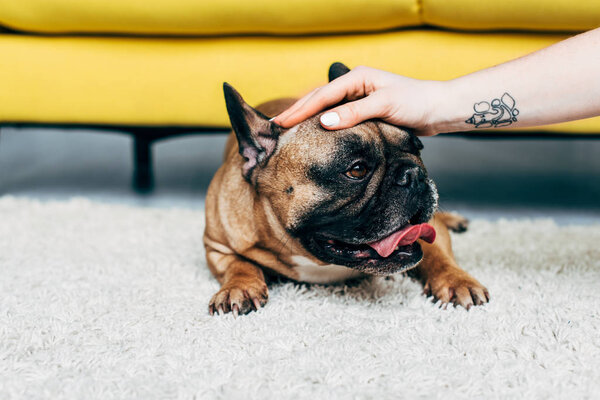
(207, 17)
(565, 15)
(154, 81)
(213, 17)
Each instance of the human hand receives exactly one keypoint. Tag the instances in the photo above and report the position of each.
(371, 93)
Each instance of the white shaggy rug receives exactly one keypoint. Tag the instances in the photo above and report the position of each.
(105, 301)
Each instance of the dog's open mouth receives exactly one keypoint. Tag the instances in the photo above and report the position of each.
(399, 244)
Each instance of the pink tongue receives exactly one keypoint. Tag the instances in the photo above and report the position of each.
(405, 236)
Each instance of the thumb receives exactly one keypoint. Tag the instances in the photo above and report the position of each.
(353, 113)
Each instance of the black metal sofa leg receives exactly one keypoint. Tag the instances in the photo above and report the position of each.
(143, 174)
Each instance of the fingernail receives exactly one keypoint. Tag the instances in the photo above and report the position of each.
(272, 118)
(330, 119)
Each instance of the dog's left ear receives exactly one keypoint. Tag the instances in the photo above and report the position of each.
(336, 70)
(257, 136)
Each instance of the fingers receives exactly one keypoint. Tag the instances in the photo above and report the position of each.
(295, 107)
(311, 104)
(350, 86)
(353, 113)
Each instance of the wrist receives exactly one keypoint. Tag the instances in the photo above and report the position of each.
(444, 116)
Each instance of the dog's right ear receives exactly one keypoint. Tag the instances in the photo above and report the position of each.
(336, 70)
(257, 136)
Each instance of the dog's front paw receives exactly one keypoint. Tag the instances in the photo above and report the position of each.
(239, 298)
(458, 287)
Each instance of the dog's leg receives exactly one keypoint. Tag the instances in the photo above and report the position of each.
(440, 273)
(243, 286)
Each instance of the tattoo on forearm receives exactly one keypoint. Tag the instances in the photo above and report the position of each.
(501, 112)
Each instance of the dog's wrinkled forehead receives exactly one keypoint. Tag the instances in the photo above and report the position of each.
(310, 140)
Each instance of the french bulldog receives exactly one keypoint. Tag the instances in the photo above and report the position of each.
(324, 206)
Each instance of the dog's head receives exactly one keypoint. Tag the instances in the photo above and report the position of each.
(358, 197)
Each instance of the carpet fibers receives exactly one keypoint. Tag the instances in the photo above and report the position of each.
(101, 301)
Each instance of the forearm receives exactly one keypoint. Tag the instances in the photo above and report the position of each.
(556, 84)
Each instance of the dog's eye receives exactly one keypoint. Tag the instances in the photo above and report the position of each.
(357, 171)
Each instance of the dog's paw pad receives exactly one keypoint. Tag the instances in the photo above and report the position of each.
(239, 298)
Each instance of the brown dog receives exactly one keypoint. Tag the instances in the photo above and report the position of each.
(324, 206)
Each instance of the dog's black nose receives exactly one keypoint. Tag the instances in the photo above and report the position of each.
(411, 177)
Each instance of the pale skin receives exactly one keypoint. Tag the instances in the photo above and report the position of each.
(557, 84)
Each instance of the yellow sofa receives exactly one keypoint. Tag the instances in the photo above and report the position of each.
(155, 67)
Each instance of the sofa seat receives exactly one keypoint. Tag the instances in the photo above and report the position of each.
(216, 17)
(177, 82)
